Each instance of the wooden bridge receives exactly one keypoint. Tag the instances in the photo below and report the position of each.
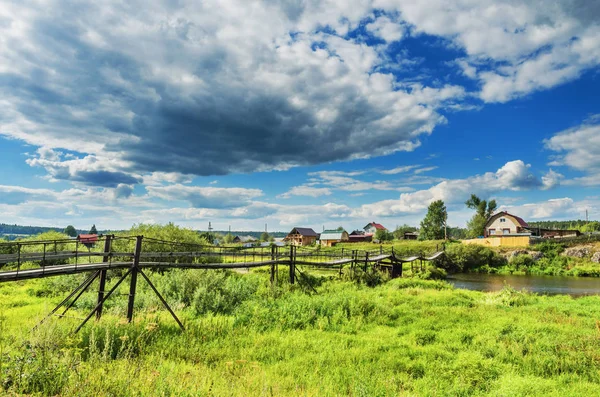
(38, 259)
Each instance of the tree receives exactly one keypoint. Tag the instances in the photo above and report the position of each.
(228, 239)
(70, 231)
(93, 230)
(208, 237)
(383, 235)
(265, 236)
(339, 228)
(483, 210)
(432, 226)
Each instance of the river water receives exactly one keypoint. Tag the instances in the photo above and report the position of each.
(550, 285)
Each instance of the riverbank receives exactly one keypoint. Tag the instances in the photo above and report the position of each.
(404, 337)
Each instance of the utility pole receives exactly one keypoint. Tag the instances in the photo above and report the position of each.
(586, 216)
(210, 228)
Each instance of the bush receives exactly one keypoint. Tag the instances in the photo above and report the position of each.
(433, 273)
(222, 292)
(464, 258)
(550, 249)
(521, 262)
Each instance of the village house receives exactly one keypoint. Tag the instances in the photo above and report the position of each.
(244, 239)
(505, 224)
(329, 238)
(372, 228)
(301, 236)
(359, 236)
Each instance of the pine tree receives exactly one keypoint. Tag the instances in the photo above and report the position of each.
(93, 230)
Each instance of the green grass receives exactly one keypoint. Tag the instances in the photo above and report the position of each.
(406, 337)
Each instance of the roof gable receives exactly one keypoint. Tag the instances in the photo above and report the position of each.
(519, 221)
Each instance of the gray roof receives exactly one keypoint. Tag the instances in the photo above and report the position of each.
(305, 231)
(332, 235)
(246, 239)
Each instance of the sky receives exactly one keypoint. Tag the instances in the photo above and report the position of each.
(313, 113)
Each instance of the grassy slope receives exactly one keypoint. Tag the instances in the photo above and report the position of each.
(406, 337)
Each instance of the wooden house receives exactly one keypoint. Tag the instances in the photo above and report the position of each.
(301, 236)
(329, 238)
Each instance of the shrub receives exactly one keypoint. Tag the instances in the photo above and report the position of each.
(471, 257)
(521, 262)
(433, 273)
(222, 292)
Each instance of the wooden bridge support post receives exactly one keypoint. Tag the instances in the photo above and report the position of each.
(134, 273)
(366, 261)
(292, 264)
(273, 248)
(102, 286)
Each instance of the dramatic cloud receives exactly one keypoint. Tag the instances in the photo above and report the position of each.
(205, 88)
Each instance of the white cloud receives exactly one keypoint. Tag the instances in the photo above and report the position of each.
(579, 149)
(398, 170)
(561, 208)
(425, 169)
(387, 29)
(205, 197)
(513, 176)
(306, 191)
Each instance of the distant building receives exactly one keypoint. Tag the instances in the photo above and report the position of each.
(88, 239)
(411, 235)
(244, 239)
(552, 233)
(329, 238)
(372, 228)
(359, 236)
(301, 236)
(505, 224)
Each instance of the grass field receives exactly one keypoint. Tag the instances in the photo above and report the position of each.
(404, 337)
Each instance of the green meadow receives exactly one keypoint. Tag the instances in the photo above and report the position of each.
(244, 337)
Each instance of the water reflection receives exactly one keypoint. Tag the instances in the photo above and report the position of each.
(550, 285)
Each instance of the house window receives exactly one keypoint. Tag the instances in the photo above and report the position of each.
(492, 231)
(502, 220)
(505, 231)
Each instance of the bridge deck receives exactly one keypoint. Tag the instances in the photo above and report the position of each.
(49, 271)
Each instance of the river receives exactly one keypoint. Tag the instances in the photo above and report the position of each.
(550, 285)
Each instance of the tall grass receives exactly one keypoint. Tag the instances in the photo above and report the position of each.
(245, 337)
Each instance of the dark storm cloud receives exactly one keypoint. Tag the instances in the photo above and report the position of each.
(175, 97)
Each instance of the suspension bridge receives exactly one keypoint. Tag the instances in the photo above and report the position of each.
(131, 256)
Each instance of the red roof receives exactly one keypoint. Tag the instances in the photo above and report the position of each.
(87, 238)
(377, 226)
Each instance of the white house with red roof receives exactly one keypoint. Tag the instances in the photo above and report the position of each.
(372, 228)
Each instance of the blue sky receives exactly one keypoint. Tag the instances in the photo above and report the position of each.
(297, 113)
